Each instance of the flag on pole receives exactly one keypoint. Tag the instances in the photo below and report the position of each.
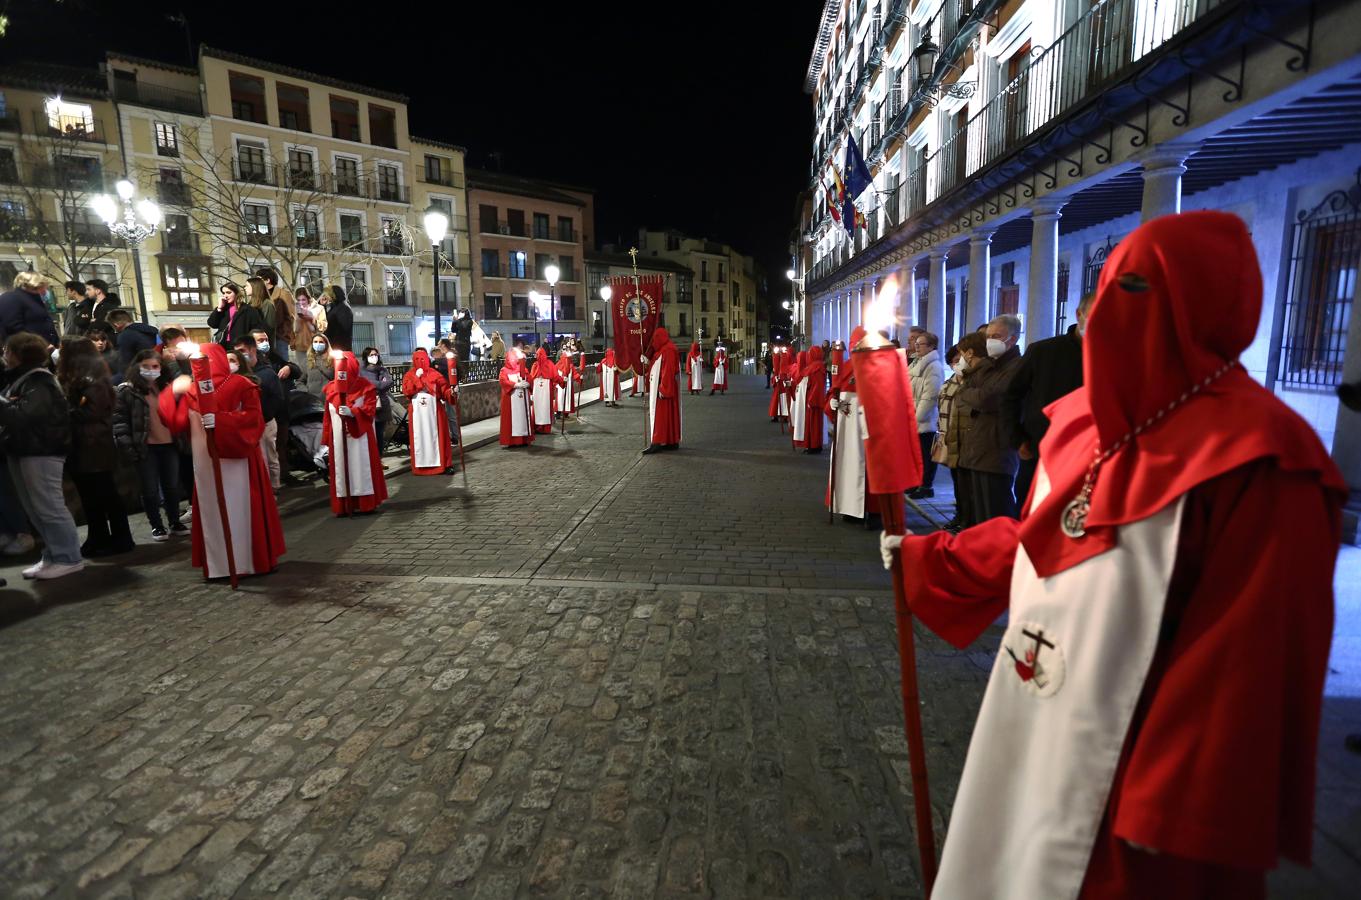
(857, 173)
(634, 311)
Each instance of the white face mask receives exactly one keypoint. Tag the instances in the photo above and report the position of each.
(56, 355)
(959, 366)
(231, 364)
(319, 347)
(373, 359)
(150, 374)
(996, 348)
(262, 346)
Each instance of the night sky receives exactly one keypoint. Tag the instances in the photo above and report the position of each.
(687, 115)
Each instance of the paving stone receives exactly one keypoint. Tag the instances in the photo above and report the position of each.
(172, 848)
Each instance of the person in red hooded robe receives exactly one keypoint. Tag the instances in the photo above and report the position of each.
(257, 535)
(1151, 722)
(663, 400)
(694, 369)
(793, 375)
(516, 419)
(779, 357)
(811, 394)
(572, 368)
(543, 404)
(357, 483)
(846, 480)
(720, 370)
(432, 451)
(609, 379)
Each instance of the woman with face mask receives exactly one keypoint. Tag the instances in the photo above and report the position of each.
(371, 367)
(973, 349)
(146, 442)
(89, 391)
(319, 368)
(945, 447)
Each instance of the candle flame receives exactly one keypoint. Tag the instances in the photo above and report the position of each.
(336, 354)
(882, 313)
(191, 350)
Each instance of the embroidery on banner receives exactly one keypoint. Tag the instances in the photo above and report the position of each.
(1037, 661)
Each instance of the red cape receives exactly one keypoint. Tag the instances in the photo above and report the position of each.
(513, 371)
(351, 389)
(666, 426)
(431, 382)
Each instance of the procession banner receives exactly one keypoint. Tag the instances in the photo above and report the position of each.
(634, 311)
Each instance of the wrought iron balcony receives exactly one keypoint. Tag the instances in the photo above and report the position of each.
(158, 97)
(91, 129)
(180, 241)
(249, 172)
(443, 179)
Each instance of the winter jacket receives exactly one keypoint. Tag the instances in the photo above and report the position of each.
(1050, 369)
(133, 339)
(927, 376)
(340, 325)
(271, 390)
(22, 311)
(949, 422)
(131, 421)
(247, 319)
(92, 448)
(317, 377)
(382, 382)
(304, 328)
(984, 439)
(75, 321)
(35, 418)
(280, 318)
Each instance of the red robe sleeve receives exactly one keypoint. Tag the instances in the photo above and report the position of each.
(959, 584)
(174, 411)
(666, 376)
(363, 405)
(508, 381)
(411, 385)
(239, 430)
(1221, 767)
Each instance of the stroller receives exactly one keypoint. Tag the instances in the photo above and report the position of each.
(401, 427)
(305, 451)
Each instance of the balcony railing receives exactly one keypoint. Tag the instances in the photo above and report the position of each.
(91, 129)
(158, 97)
(249, 172)
(180, 241)
(391, 191)
(71, 180)
(443, 179)
(507, 228)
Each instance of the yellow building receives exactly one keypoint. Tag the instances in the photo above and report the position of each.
(727, 289)
(254, 164)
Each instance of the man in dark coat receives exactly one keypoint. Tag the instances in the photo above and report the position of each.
(339, 318)
(102, 302)
(75, 319)
(23, 309)
(986, 456)
(131, 338)
(1050, 369)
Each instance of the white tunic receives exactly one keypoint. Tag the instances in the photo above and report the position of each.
(847, 465)
(784, 402)
(543, 401)
(720, 374)
(567, 393)
(799, 419)
(607, 376)
(519, 412)
(207, 514)
(352, 476)
(696, 376)
(1044, 751)
(653, 375)
(425, 436)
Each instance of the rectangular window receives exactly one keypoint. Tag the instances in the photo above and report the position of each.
(720, 328)
(167, 140)
(720, 299)
(704, 327)
(540, 226)
(434, 169)
(361, 336)
(248, 97)
(389, 183)
(703, 270)
(683, 332)
(250, 163)
(345, 119)
(491, 306)
(255, 217)
(176, 236)
(382, 126)
(302, 169)
(486, 218)
(307, 228)
(187, 282)
(394, 241)
(70, 119)
(567, 268)
(77, 173)
(357, 286)
(351, 229)
(347, 176)
(519, 306)
(704, 299)
(565, 230)
(515, 222)
(721, 276)
(9, 166)
(312, 278)
(399, 340)
(541, 262)
(295, 112)
(517, 260)
(394, 287)
(673, 243)
(491, 263)
(567, 307)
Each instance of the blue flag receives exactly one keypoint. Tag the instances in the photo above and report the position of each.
(857, 173)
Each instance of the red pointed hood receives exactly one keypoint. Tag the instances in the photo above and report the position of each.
(609, 358)
(420, 359)
(813, 368)
(694, 349)
(218, 363)
(660, 338)
(1177, 302)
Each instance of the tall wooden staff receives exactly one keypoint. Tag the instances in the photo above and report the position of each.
(884, 390)
(207, 405)
(458, 418)
(642, 317)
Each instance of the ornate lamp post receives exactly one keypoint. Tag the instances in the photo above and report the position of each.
(138, 222)
(436, 226)
(550, 274)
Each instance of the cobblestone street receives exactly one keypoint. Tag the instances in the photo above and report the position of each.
(595, 674)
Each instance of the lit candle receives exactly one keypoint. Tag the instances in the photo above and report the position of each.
(191, 350)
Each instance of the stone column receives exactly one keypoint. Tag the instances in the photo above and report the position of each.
(935, 293)
(907, 296)
(980, 279)
(1163, 167)
(1041, 293)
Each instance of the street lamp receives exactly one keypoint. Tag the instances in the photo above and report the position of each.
(129, 228)
(606, 294)
(436, 226)
(791, 274)
(550, 274)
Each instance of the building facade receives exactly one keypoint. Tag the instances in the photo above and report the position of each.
(253, 164)
(726, 290)
(520, 227)
(602, 265)
(1013, 144)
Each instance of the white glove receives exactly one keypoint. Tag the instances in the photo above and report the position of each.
(209, 421)
(346, 411)
(887, 544)
(420, 373)
(644, 359)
